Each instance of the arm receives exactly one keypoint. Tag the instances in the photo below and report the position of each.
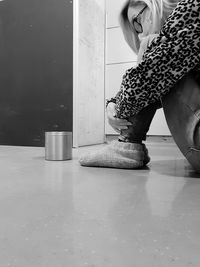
(171, 55)
(143, 48)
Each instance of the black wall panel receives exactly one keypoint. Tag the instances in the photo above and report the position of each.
(36, 73)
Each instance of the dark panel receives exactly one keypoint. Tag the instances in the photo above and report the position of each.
(36, 55)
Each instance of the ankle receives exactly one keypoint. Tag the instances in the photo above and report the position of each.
(126, 139)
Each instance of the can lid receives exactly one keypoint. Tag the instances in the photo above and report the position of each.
(58, 133)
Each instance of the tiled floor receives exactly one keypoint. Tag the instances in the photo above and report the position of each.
(59, 214)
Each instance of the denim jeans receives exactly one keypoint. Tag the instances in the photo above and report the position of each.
(182, 112)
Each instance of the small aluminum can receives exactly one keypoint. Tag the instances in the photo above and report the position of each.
(58, 145)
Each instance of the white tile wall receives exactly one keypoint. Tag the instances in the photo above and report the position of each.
(113, 8)
(117, 50)
(114, 75)
(119, 57)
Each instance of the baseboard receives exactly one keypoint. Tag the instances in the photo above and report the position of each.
(150, 138)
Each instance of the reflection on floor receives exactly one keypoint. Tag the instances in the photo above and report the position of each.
(59, 214)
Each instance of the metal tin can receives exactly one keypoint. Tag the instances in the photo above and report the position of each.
(58, 145)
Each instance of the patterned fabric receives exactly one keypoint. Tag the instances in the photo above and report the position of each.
(171, 55)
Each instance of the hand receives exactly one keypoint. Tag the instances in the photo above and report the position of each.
(115, 123)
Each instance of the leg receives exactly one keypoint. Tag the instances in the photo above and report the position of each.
(128, 151)
(182, 111)
(140, 125)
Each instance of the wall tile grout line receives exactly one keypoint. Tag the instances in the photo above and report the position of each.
(113, 27)
(117, 63)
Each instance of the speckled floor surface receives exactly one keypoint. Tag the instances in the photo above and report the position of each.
(59, 214)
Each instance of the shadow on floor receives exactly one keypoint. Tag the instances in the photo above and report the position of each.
(175, 168)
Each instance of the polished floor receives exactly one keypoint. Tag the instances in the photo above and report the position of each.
(59, 214)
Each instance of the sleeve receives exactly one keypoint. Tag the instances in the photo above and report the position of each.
(170, 56)
(111, 100)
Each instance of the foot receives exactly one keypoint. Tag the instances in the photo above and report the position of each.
(117, 155)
